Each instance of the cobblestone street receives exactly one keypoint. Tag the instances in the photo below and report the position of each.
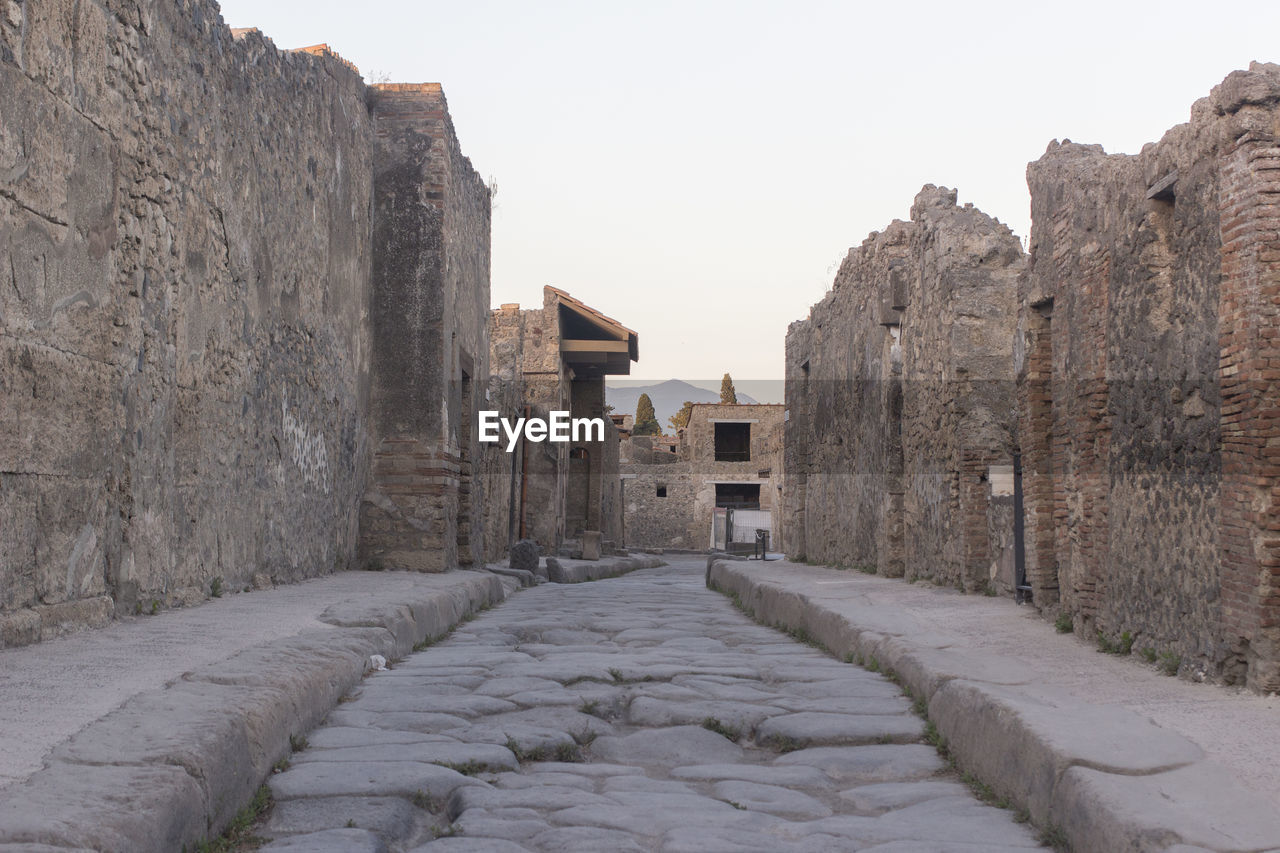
(639, 713)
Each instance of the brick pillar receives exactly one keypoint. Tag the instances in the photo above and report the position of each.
(1082, 436)
(1249, 374)
(1035, 429)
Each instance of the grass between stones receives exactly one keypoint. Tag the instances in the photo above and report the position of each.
(1051, 835)
(566, 752)
(713, 724)
(239, 834)
(1122, 646)
(1170, 663)
(429, 641)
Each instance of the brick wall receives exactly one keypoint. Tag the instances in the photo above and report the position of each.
(1147, 394)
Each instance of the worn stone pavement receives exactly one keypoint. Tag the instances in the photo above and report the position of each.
(580, 718)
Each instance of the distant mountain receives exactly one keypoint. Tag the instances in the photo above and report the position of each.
(667, 398)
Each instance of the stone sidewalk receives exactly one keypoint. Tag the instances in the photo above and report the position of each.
(1106, 749)
(151, 733)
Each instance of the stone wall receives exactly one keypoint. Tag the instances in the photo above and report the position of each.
(1149, 385)
(431, 347)
(900, 401)
(184, 352)
(653, 520)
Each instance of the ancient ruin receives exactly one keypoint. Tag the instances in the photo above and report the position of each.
(900, 401)
(729, 456)
(246, 338)
(1147, 396)
(1115, 384)
(185, 345)
(556, 358)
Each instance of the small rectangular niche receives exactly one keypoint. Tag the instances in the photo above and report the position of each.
(662, 490)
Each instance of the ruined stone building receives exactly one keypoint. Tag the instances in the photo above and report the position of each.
(1141, 433)
(729, 455)
(556, 358)
(899, 438)
(242, 315)
(1149, 396)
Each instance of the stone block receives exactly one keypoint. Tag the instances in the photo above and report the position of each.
(524, 556)
(591, 544)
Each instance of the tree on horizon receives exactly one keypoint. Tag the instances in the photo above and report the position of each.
(728, 394)
(646, 420)
(680, 419)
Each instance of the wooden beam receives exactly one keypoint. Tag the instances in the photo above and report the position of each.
(593, 346)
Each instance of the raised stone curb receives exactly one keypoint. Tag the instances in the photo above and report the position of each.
(172, 767)
(562, 570)
(1107, 778)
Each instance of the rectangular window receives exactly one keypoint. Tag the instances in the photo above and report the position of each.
(662, 490)
(733, 442)
(738, 495)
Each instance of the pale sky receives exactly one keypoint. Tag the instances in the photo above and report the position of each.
(697, 170)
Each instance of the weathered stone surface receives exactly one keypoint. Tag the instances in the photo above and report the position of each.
(909, 360)
(145, 808)
(895, 795)
(1042, 732)
(791, 777)
(484, 755)
(1145, 331)
(771, 799)
(329, 841)
(471, 845)
(591, 545)
(167, 382)
(366, 778)
(1098, 768)
(813, 728)
(624, 773)
(875, 763)
(645, 711)
(524, 555)
(669, 746)
(564, 570)
(1198, 805)
(388, 817)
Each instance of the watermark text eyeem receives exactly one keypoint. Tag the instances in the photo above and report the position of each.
(558, 427)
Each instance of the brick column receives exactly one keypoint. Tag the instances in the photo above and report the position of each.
(1035, 426)
(1249, 373)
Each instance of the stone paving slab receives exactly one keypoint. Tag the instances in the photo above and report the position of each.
(1076, 759)
(657, 738)
(151, 733)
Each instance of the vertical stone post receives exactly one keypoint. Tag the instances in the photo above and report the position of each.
(1249, 373)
